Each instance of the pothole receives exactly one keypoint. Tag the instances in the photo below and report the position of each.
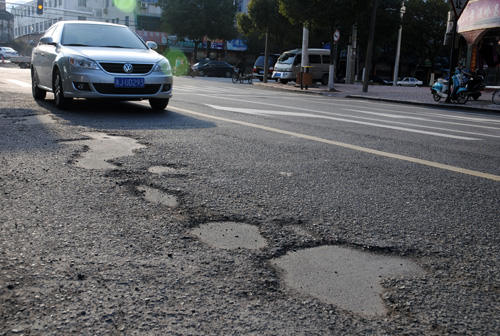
(230, 235)
(37, 119)
(158, 196)
(162, 170)
(104, 147)
(344, 277)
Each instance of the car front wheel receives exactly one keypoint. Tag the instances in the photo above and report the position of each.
(38, 93)
(158, 104)
(62, 102)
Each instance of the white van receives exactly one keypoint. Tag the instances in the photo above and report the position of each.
(288, 65)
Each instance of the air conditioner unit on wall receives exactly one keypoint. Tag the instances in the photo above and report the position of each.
(144, 5)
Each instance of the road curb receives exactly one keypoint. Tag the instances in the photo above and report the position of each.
(440, 105)
(325, 93)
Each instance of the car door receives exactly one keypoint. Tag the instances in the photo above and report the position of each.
(43, 57)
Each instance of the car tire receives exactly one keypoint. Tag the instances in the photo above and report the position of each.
(284, 81)
(38, 93)
(202, 73)
(228, 74)
(324, 79)
(62, 102)
(158, 104)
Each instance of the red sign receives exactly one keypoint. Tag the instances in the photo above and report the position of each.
(159, 37)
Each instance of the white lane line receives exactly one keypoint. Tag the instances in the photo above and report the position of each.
(358, 122)
(346, 145)
(309, 115)
(344, 115)
(20, 83)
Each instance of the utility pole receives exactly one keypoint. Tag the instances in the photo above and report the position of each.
(398, 51)
(266, 56)
(351, 56)
(369, 49)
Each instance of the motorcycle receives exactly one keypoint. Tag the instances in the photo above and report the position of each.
(475, 84)
(459, 94)
(440, 89)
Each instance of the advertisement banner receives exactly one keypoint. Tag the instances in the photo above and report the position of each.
(480, 14)
(159, 37)
(237, 45)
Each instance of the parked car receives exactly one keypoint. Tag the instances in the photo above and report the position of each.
(85, 59)
(258, 67)
(213, 69)
(7, 52)
(409, 81)
(381, 80)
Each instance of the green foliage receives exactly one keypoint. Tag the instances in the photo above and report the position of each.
(424, 27)
(193, 19)
(264, 16)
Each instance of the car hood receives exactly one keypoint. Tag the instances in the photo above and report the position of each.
(116, 54)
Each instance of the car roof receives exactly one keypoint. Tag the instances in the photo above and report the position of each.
(99, 23)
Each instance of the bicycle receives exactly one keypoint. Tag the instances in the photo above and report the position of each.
(243, 78)
(496, 97)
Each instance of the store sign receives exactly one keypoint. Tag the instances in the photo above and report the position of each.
(480, 14)
(237, 45)
(159, 37)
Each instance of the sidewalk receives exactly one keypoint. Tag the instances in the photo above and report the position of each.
(396, 94)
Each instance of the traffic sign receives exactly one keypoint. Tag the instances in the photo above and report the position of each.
(336, 36)
(458, 7)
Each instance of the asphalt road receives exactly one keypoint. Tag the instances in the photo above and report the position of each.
(102, 207)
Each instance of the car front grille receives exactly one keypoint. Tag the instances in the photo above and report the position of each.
(118, 68)
(148, 89)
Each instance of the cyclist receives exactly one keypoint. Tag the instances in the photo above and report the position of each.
(241, 69)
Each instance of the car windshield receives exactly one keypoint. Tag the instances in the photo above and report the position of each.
(260, 61)
(93, 35)
(287, 58)
(9, 49)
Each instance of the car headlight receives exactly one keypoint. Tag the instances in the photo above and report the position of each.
(163, 66)
(84, 63)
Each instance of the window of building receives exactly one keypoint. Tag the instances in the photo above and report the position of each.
(82, 3)
(127, 21)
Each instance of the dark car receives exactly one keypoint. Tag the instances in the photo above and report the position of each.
(214, 69)
(258, 67)
(381, 80)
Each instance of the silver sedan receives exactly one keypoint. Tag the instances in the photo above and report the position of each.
(82, 59)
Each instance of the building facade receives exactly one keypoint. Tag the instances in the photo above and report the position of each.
(144, 17)
(479, 26)
(6, 25)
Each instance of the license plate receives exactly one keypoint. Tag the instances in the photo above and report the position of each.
(121, 82)
(277, 74)
(261, 72)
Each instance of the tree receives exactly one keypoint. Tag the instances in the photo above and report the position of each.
(195, 19)
(264, 17)
(322, 13)
(424, 28)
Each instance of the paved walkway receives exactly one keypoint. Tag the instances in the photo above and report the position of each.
(411, 95)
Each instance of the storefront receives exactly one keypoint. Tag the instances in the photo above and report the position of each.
(479, 25)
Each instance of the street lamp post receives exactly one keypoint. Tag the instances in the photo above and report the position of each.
(398, 50)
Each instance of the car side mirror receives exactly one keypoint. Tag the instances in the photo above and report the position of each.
(152, 45)
(47, 40)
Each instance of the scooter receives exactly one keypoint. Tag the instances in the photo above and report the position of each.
(459, 94)
(475, 85)
(440, 89)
